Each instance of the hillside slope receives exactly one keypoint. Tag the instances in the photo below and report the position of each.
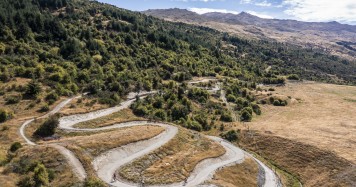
(332, 37)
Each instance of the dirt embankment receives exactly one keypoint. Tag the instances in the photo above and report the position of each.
(312, 165)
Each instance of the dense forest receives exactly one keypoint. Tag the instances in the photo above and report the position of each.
(78, 45)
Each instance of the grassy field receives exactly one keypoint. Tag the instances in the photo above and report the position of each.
(324, 117)
(313, 138)
(244, 174)
(174, 161)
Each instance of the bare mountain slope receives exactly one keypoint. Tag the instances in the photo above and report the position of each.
(332, 37)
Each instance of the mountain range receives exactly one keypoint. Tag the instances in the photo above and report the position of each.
(332, 37)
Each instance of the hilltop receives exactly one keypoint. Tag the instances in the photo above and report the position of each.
(331, 37)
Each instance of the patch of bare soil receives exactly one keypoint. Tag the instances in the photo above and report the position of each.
(312, 165)
(174, 161)
(244, 174)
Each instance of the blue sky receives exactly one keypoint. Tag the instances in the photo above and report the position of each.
(343, 11)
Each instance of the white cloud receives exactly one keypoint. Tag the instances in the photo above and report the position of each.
(263, 3)
(245, 1)
(207, 10)
(261, 15)
(322, 10)
(198, 0)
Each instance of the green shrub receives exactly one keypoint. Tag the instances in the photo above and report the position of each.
(44, 108)
(37, 178)
(52, 96)
(140, 111)
(15, 146)
(276, 103)
(231, 135)
(40, 175)
(48, 128)
(231, 98)
(13, 99)
(5, 115)
(33, 88)
(94, 182)
(160, 114)
(246, 114)
(280, 102)
(256, 109)
(194, 125)
(26, 181)
(226, 116)
(293, 77)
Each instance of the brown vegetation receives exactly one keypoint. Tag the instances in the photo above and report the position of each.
(313, 166)
(124, 115)
(98, 143)
(323, 116)
(174, 161)
(244, 174)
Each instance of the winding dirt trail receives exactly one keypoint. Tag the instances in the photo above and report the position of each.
(107, 163)
(73, 161)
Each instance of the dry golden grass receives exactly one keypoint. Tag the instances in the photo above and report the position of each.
(98, 143)
(50, 157)
(244, 174)
(174, 161)
(81, 106)
(312, 165)
(88, 147)
(8, 180)
(117, 117)
(324, 117)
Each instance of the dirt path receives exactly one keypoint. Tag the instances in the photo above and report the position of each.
(76, 165)
(107, 163)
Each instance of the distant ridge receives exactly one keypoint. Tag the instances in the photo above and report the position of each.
(333, 37)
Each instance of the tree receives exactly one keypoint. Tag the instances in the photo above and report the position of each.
(15, 146)
(231, 135)
(160, 114)
(246, 114)
(256, 109)
(48, 128)
(33, 88)
(40, 175)
(179, 111)
(5, 115)
(71, 47)
(22, 31)
(226, 116)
